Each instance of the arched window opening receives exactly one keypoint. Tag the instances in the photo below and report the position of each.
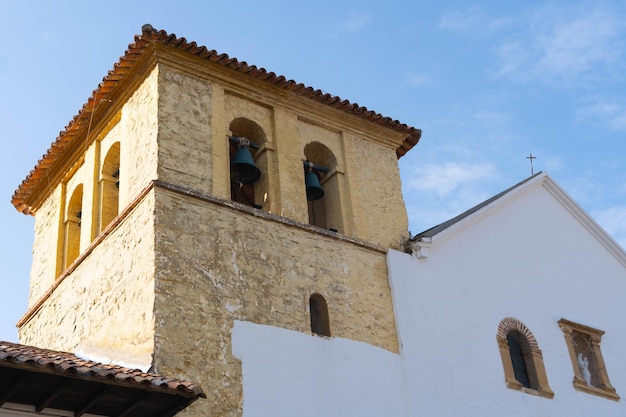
(109, 186)
(521, 358)
(320, 169)
(318, 308)
(257, 193)
(520, 369)
(73, 222)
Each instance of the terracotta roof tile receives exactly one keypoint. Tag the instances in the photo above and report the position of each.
(149, 36)
(67, 364)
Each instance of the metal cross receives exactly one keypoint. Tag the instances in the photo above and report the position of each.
(531, 157)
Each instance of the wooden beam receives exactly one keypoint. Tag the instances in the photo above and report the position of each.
(11, 387)
(52, 395)
(82, 410)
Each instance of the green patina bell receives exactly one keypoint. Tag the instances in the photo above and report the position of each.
(314, 190)
(242, 167)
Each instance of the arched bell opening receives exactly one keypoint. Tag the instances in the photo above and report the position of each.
(109, 186)
(322, 187)
(248, 164)
(73, 223)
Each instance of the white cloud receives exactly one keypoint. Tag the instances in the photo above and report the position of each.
(471, 22)
(514, 56)
(438, 193)
(415, 79)
(356, 21)
(563, 44)
(442, 179)
(609, 111)
(460, 20)
(492, 118)
(576, 46)
(552, 164)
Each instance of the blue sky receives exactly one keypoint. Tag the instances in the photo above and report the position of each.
(488, 82)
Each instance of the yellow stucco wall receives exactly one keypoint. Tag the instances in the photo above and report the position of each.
(215, 264)
(44, 267)
(193, 152)
(136, 130)
(140, 127)
(106, 304)
(184, 134)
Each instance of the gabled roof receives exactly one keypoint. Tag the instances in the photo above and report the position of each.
(437, 233)
(58, 380)
(448, 223)
(150, 36)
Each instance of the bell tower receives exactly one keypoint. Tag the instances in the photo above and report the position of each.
(193, 190)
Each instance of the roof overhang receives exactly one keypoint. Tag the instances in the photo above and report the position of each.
(44, 379)
(34, 188)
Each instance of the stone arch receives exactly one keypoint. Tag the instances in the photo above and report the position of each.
(521, 357)
(509, 324)
(242, 126)
(320, 154)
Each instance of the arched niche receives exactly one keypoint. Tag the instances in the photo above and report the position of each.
(325, 212)
(318, 309)
(73, 223)
(109, 184)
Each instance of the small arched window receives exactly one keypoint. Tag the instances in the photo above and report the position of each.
(318, 309)
(521, 358)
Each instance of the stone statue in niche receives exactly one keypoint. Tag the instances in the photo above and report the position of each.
(583, 363)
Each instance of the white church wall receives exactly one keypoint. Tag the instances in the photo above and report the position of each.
(287, 373)
(528, 259)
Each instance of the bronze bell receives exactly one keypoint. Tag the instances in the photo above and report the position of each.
(242, 167)
(314, 190)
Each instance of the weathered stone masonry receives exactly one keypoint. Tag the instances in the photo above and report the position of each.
(162, 282)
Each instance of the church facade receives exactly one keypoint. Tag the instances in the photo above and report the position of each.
(208, 220)
(513, 307)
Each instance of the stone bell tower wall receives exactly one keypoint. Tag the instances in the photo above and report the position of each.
(217, 263)
(200, 105)
(104, 298)
(105, 306)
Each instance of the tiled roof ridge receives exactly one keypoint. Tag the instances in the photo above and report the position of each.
(70, 364)
(148, 35)
(261, 73)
